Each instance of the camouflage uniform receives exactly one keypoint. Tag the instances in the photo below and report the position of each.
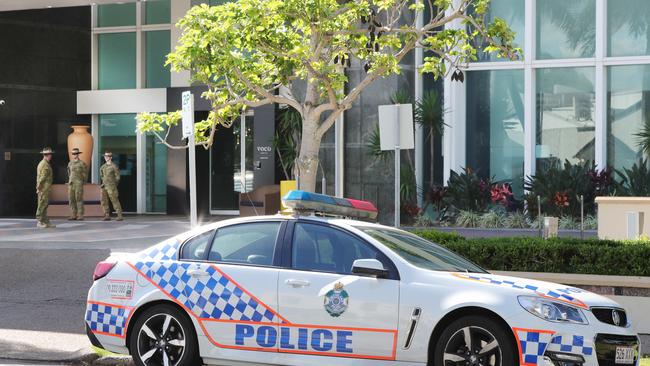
(77, 175)
(44, 177)
(110, 176)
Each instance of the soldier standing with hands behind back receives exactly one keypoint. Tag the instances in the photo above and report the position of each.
(44, 178)
(77, 175)
(110, 176)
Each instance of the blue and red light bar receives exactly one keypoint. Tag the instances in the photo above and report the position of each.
(308, 201)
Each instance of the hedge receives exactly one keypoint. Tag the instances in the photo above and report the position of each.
(559, 255)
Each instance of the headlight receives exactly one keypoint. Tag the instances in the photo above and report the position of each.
(552, 311)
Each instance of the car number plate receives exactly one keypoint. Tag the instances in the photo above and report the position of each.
(624, 355)
(118, 289)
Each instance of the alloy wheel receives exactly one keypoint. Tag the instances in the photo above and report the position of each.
(161, 341)
(473, 346)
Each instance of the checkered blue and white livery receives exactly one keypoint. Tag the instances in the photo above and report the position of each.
(107, 319)
(560, 294)
(532, 345)
(167, 250)
(211, 297)
(570, 344)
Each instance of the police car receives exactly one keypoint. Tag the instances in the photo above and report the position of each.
(309, 289)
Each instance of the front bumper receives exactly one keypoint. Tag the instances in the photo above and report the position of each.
(559, 344)
(93, 339)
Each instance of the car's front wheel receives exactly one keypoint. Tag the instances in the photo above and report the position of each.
(164, 336)
(475, 341)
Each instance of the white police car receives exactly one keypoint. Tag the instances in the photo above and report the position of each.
(307, 290)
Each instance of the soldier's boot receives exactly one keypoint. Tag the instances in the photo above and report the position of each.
(80, 218)
(50, 226)
(119, 217)
(72, 218)
(106, 218)
(41, 225)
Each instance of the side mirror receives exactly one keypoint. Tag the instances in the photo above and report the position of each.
(369, 267)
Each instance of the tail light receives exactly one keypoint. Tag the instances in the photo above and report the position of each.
(102, 269)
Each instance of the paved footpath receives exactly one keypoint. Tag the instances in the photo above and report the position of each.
(45, 275)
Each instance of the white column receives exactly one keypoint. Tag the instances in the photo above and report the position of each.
(94, 84)
(600, 85)
(95, 161)
(141, 140)
(339, 156)
(178, 9)
(530, 102)
(420, 147)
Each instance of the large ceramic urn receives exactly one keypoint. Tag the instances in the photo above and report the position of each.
(81, 139)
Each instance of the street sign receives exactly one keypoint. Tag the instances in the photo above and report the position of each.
(389, 115)
(396, 133)
(187, 113)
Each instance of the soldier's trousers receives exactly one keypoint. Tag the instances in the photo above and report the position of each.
(76, 199)
(110, 193)
(43, 202)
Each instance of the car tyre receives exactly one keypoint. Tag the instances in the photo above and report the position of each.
(489, 344)
(163, 335)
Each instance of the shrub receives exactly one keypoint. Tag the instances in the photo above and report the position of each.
(559, 255)
(468, 219)
(516, 220)
(591, 222)
(467, 191)
(568, 223)
(636, 180)
(492, 220)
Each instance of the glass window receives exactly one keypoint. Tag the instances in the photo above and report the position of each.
(322, 248)
(566, 29)
(157, 12)
(117, 134)
(196, 248)
(157, 44)
(156, 175)
(565, 115)
(117, 60)
(246, 243)
(628, 106)
(116, 15)
(495, 125)
(628, 27)
(420, 252)
(513, 12)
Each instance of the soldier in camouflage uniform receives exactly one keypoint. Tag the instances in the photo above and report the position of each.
(44, 177)
(110, 176)
(77, 175)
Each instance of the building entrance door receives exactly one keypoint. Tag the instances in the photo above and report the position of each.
(117, 134)
(230, 155)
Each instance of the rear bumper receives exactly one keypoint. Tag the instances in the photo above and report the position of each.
(93, 339)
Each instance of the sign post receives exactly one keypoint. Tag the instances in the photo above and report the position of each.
(188, 132)
(396, 133)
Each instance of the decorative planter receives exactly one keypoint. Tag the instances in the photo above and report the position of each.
(81, 139)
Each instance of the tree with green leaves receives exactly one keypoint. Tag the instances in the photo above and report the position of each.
(251, 53)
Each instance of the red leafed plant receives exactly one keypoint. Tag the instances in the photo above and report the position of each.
(501, 194)
(561, 199)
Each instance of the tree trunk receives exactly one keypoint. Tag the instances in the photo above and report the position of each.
(307, 163)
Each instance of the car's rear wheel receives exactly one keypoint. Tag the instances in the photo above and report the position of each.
(164, 336)
(474, 341)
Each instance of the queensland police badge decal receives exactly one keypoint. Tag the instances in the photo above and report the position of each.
(336, 300)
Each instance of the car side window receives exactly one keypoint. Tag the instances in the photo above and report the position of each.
(325, 249)
(196, 248)
(251, 243)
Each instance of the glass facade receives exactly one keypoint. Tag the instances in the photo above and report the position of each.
(628, 32)
(513, 12)
(116, 60)
(157, 47)
(495, 125)
(566, 29)
(565, 115)
(117, 134)
(628, 105)
(116, 15)
(157, 12)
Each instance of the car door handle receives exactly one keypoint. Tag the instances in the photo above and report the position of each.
(197, 273)
(297, 283)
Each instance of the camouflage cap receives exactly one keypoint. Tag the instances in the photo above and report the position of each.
(47, 151)
(75, 151)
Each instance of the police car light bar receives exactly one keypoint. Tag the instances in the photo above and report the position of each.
(308, 201)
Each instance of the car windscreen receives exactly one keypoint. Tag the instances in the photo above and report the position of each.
(420, 252)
